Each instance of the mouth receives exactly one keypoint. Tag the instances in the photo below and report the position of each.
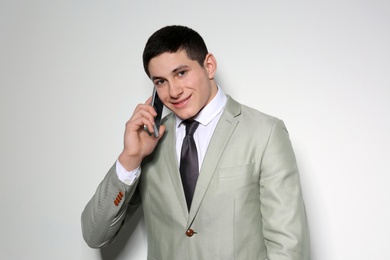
(180, 103)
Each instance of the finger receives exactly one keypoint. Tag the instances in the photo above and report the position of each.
(144, 111)
(138, 123)
(147, 115)
(149, 101)
(161, 131)
(146, 107)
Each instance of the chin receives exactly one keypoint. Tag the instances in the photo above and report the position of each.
(185, 116)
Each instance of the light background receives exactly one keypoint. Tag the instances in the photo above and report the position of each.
(71, 75)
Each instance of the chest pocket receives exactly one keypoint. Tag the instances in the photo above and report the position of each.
(237, 177)
(240, 171)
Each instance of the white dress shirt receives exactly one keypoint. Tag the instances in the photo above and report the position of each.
(208, 118)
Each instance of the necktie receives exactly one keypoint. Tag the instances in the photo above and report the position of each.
(189, 168)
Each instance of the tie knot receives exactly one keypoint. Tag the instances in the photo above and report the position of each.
(191, 126)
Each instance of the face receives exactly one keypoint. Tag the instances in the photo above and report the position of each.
(182, 84)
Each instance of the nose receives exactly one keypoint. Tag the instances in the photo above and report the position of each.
(175, 90)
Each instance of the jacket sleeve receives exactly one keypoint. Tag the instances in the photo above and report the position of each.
(105, 213)
(284, 218)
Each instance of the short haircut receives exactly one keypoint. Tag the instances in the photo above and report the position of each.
(175, 38)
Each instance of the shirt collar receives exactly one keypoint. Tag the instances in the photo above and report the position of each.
(210, 111)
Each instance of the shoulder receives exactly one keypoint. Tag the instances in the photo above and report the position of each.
(168, 118)
(250, 116)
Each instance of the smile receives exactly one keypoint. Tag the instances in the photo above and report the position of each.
(181, 103)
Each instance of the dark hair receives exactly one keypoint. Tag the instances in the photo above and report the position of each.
(172, 39)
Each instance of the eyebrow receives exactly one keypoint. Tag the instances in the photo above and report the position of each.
(180, 67)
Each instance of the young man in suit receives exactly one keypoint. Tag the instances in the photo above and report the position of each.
(242, 200)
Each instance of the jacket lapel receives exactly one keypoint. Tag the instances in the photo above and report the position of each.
(222, 133)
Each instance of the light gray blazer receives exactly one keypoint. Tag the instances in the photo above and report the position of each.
(247, 203)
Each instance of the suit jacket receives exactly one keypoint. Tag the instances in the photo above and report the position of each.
(247, 203)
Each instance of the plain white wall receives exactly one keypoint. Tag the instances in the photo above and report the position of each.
(71, 75)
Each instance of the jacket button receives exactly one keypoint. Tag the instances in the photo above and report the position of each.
(190, 232)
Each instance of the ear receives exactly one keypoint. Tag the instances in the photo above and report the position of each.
(210, 64)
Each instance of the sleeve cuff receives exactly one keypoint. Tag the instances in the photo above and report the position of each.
(127, 177)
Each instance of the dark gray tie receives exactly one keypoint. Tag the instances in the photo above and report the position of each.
(189, 168)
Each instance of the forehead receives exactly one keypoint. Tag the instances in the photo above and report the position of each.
(167, 62)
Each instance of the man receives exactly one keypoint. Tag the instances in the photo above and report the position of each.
(244, 201)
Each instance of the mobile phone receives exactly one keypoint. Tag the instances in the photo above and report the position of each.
(158, 106)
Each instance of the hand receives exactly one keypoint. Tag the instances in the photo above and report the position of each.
(137, 142)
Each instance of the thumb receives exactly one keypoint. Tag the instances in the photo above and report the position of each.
(161, 131)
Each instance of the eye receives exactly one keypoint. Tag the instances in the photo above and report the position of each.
(182, 73)
(159, 82)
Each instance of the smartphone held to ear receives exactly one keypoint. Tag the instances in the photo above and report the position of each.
(158, 106)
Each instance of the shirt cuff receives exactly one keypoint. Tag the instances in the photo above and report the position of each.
(127, 177)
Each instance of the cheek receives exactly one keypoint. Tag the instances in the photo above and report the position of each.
(205, 89)
(200, 85)
(162, 92)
